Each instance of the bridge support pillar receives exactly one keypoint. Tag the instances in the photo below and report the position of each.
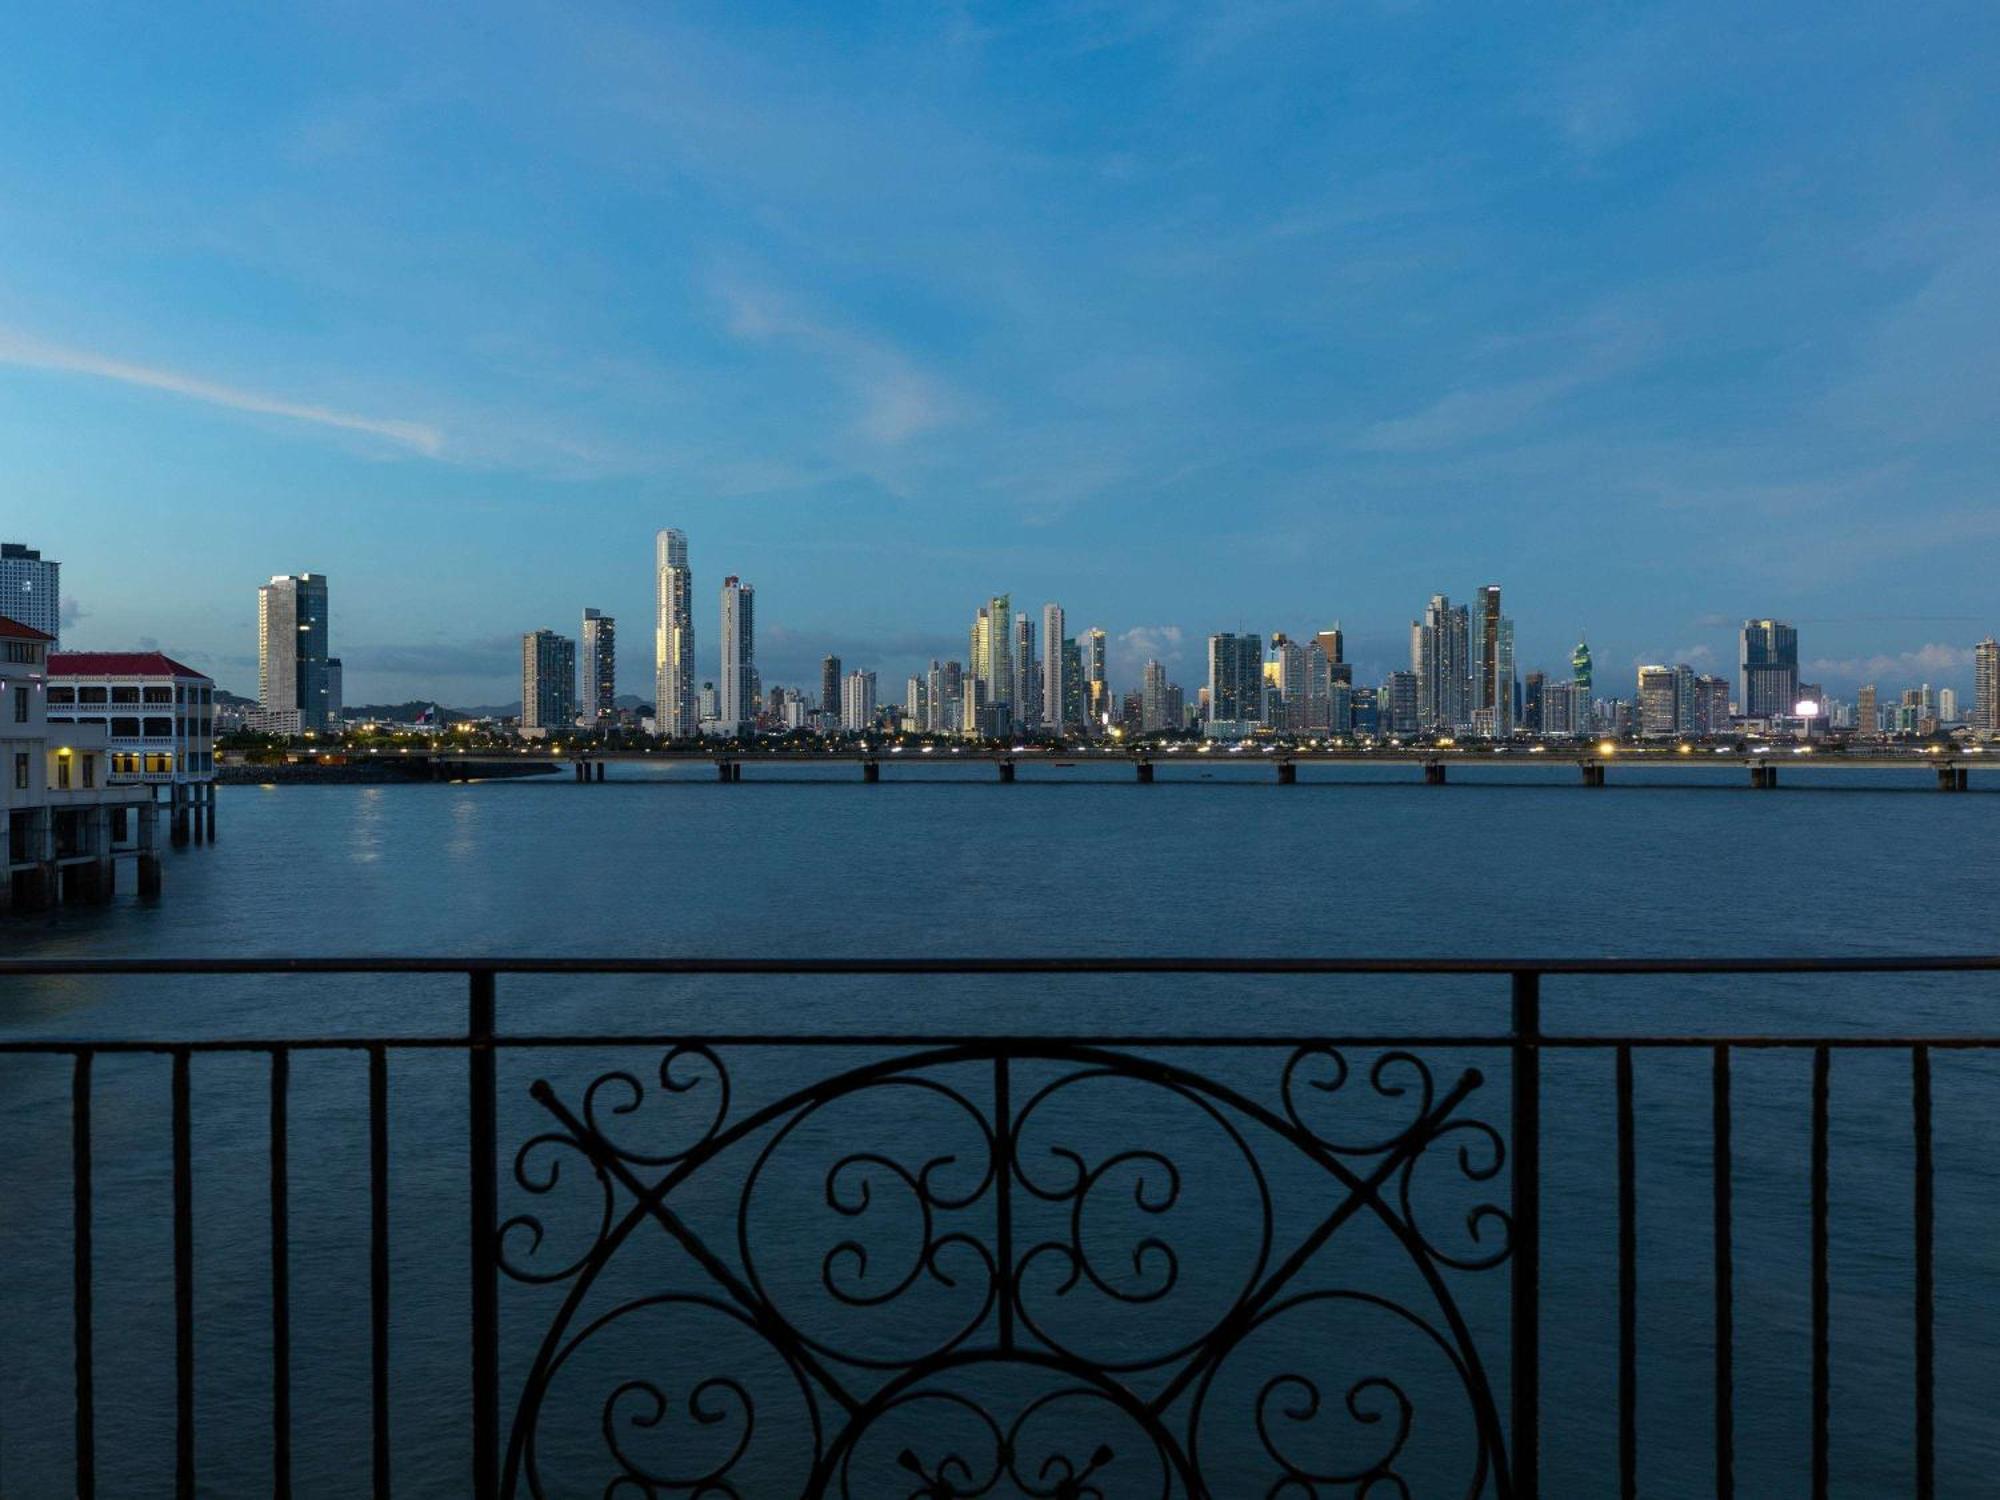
(600, 770)
(149, 849)
(1593, 774)
(1288, 773)
(177, 794)
(1007, 772)
(1952, 779)
(1763, 778)
(1145, 770)
(722, 769)
(871, 771)
(1433, 773)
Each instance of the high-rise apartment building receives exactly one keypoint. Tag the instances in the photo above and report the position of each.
(739, 656)
(1096, 686)
(292, 669)
(1768, 660)
(1400, 693)
(1867, 716)
(1440, 645)
(1986, 686)
(857, 702)
(1658, 716)
(1027, 676)
(1155, 713)
(597, 695)
(31, 590)
(548, 681)
(1711, 704)
(1055, 692)
(1235, 685)
(1492, 662)
(675, 710)
(992, 649)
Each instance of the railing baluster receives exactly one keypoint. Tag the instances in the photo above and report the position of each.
(1926, 1310)
(1526, 1320)
(483, 1162)
(378, 1261)
(1628, 1286)
(183, 1282)
(86, 1379)
(281, 1278)
(1725, 1285)
(1821, 1363)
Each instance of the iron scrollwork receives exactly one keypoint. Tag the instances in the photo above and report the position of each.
(1011, 1268)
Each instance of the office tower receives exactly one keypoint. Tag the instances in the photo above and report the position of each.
(1055, 691)
(917, 701)
(1153, 712)
(1334, 645)
(991, 647)
(1684, 704)
(597, 691)
(1531, 703)
(1868, 718)
(1027, 676)
(1947, 706)
(31, 591)
(1579, 667)
(857, 702)
(1235, 685)
(1986, 686)
(1769, 663)
(675, 711)
(336, 689)
(739, 656)
(1711, 704)
(291, 649)
(1364, 712)
(829, 686)
(1401, 691)
(548, 681)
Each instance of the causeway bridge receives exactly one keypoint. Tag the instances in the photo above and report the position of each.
(1595, 765)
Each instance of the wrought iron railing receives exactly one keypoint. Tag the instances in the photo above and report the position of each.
(968, 1263)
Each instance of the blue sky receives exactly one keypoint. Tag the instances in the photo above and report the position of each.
(1252, 316)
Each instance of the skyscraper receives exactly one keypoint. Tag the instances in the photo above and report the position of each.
(1579, 666)
(674, 708)
(1711, 704)
(292, 648)
(1055, 694)
(1235, 685)
(1492, 662)
(548, 680)
(597, 695)
(857, 702)
(829, 688)
(1027, 675)
(739, 656)
(1096, 688)
(1658, 716)
(1153, 709)
(1769, 662)
(31, 591)
(1868, 718)
(1289, 673)
(1439, 647)
(1986, 686)
(993, 658)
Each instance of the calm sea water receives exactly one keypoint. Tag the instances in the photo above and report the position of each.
(1502, 863)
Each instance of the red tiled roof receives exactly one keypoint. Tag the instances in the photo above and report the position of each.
(21, 632)
(117, 664)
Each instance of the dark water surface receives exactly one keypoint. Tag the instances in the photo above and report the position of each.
(1502, 863)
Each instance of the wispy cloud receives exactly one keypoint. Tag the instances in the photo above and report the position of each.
(898, 399)
(25, 352)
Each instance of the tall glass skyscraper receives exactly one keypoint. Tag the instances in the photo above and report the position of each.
(1769, 662)
(292, 674)
(1055, 693)
(597, 696)
(674, 708)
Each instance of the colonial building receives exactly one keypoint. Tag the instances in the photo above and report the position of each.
(67, 816)
(159, 719)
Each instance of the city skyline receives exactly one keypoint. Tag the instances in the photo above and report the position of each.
(1195, 322)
